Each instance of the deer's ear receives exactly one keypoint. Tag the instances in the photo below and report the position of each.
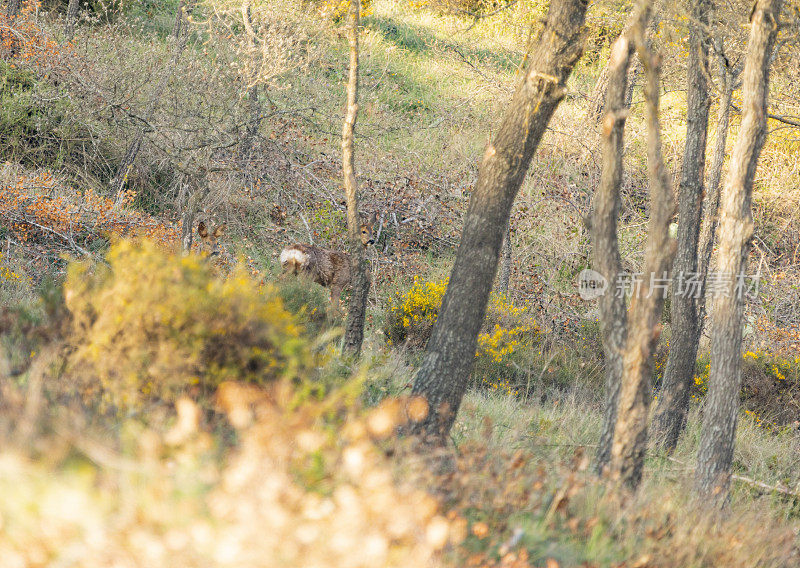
(373, 217)
(220, 230)
(201, 229)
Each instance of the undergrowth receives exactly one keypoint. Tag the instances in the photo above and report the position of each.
(150, 326)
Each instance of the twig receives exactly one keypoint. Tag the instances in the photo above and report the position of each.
(102, 455)
(480, 73)
(310, 236)
(778, 487)
(560, 445)
(65, 237)
(791, 121)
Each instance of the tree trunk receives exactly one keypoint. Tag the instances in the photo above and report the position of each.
(187, 232)
(72, 15)
(357, 310)
(253, 104)
(597, 99)
(603, 225)
(727, 81)
(673, 400)
(630, 434)
(180, 33)
(190, 197)
(505, 267)
(718, 433)
(442, 378)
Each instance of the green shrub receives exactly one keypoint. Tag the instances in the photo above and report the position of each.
(15, 285)
(307, 301)
(23, 318)
(27, 122)
(152, 325)
(40, 127)
(328, 222)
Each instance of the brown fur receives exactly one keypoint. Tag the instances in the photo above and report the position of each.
(326, 267)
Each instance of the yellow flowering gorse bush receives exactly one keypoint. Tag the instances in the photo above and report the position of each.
(411, 315)
(773, 366)
(7, 273)
(770, 386)
(151, 325)
(507, 328)
(336, 10)
(500, 342)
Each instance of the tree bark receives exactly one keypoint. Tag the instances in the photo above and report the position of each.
(603, 226)
(72, 15)
(253, 104)
(357, 310)
(597, 100)
(727, 79)
(630, 434)
(673, 400)
(505, 267)
(180, 34)
(443, 376)
(715, 453)
(190, 197)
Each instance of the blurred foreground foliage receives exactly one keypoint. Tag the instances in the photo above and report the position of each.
(150, 325)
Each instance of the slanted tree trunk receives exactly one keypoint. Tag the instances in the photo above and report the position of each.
(597, 99)
(505, 267)
(603, 226)
(673, 400)
(357, 310)
(715, 453)
(180, 34)
(630, 434)
(72, 15)
(442, 378)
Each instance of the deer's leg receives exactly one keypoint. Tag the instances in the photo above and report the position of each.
(336, 293)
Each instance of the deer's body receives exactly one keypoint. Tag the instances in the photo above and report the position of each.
(326, 267)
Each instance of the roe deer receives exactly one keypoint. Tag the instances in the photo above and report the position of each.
(209, 244)
(329, 268)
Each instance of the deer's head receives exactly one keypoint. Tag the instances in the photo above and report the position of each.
(367, 230)
(209, 243)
